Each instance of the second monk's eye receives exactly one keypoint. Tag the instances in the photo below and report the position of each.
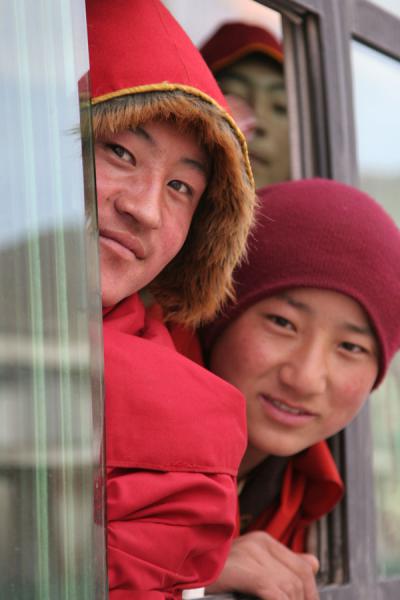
(179, 186)
(280, 321)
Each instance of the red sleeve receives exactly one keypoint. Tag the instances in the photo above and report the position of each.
(166, 531)
(175, 435)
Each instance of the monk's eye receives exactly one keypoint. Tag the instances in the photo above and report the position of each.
(180, 186)
(353, 348)
(122, 153)
(280, 321)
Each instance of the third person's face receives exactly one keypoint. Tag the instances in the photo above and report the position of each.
(259, 82)
(305, 360)
(149, 182)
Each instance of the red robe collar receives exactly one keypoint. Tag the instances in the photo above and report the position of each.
(161, 408)
(311, 488)
(131, 317)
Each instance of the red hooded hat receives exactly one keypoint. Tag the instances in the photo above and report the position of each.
(137, 45)
(144, 67)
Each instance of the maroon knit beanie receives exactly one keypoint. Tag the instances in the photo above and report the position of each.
(323, 234)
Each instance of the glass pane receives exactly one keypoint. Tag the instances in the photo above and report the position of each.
(49, 373)
(392, 6)
(377, 101)
(241, 41)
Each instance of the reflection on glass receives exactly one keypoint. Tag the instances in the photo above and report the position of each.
(241, 41)
(377, 101)
(49, 448)
(392, 6)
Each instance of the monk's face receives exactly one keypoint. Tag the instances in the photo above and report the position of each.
(305, 360)
(149, 183)
(259, 82)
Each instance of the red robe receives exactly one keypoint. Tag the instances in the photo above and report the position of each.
(311, 488)
(311, 485)
(175, 435)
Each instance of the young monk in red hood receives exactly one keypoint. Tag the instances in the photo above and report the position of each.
(175, 201)
(312, 332)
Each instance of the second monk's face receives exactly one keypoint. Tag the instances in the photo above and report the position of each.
(305, 360)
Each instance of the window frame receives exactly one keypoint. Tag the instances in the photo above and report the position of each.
(318, 71)
(324, 144)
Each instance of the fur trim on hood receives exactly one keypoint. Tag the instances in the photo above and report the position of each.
(144, 67)
(199, 279)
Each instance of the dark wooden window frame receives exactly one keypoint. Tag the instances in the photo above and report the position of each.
(318, 36)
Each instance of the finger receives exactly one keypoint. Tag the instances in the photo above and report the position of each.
(292, 560)
(272, 564)
(311, 589)
(297, 564)
(308, 576)
(274, 593)
(313, 562)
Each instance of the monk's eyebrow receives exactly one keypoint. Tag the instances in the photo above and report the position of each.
(237, 77)
(141, 132)
(346, 325)
(196, 164)
(296, 303)
(192, 162)
(277, 86)
(361, 329)
(272, 87)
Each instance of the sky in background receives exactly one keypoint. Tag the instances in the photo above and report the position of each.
(41, 185)
(201, 18)
(389, 5)
(376, 80)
